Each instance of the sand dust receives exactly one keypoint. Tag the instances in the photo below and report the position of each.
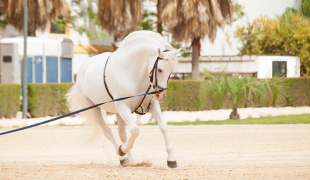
(203, 152)
(146, 163)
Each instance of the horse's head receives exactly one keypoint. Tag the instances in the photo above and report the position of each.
(167, 62)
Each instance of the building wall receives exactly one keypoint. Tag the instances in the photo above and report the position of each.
(9, 31)
(264, 67)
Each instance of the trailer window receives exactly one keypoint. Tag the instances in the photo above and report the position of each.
(279, 68)
(7, 59)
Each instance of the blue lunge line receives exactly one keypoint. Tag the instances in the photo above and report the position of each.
(78, 111)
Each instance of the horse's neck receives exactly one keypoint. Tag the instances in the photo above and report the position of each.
(134, 64)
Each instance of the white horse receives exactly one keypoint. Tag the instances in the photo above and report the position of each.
(126, 73)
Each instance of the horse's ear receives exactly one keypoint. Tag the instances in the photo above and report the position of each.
(160, 53)
(175, 52)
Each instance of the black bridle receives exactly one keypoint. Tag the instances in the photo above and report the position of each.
(155, 69)
(155, 86)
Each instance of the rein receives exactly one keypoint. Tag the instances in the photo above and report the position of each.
(78, 111)
(154, 69)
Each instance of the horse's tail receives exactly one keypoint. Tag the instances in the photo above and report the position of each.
(74, 103)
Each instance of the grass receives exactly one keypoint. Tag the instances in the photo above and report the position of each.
(292, 119)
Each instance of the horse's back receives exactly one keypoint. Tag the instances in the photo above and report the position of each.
(93, 61)
(90, 78)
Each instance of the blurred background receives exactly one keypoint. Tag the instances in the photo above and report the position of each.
(245, 38)
(212, 32)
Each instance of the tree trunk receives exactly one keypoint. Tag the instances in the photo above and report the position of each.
(117, 39)
(31, 33)
(31, 30)
(195, 58)
(234, 114)
(159, 28)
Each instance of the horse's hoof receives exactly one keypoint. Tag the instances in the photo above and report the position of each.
(172, 164)
(125, 162)
(121, 153)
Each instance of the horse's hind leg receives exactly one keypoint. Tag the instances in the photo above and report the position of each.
(156, 112)
(123, 136)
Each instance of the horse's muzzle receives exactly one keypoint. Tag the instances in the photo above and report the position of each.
(161, 95)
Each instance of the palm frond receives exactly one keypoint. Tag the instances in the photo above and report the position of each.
(280, 89)
(40, 12)
(237, 90)
(120, 17)
(207, 74)
(189, 19)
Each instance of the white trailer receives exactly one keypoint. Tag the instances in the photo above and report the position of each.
(49, 60)
(257, 66)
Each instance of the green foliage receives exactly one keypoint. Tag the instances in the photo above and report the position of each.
(289, 11)
(59, 25)
(82, 13)
(147, 21)
(298, 92)
(9, 100)
(185, 51)
(240, 90)
(3, 20)
(47, 99)
(304, 7)
(193, 96)
(239, 11)
(185, 96)
(289, 35)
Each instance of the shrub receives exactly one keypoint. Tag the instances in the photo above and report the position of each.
(47, 99)
(299, 92)
(192, 96)
(9, 100)
(185, 96)
(287, 35)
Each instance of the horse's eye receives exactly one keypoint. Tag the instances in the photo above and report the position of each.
(159, 70)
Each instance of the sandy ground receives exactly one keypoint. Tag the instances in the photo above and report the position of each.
(203, 152)
(170, 116)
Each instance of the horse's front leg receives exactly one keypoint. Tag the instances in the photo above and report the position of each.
(123, 136)
(156, 112)
(125, 113)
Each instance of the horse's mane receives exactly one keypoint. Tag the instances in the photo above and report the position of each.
(148, 37)
(143, 34)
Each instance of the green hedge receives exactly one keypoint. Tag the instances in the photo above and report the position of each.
(9, 100)
(191, 96)
(47, 99)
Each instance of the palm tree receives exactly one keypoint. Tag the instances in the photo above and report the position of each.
(40, 13)
(238, 90)
(192, 20)
(160, 6)
(120, 17)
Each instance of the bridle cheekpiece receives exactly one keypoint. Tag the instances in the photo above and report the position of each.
(155, 86)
